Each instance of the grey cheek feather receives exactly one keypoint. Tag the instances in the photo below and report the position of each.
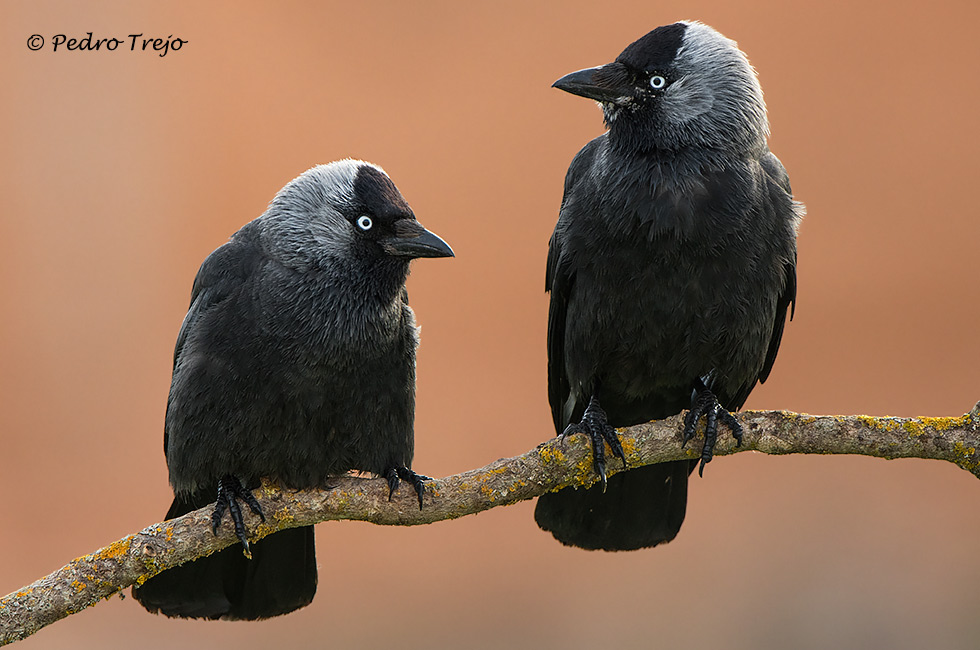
(304, 220)
(332, 234)
(304, 240)
(687, 99)
(717, 98)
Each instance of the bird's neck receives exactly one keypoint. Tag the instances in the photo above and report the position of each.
(377, 281)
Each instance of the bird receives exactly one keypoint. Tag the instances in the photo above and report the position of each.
(296, 362)
(671, 270)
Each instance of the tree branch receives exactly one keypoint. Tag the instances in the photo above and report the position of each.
(558, 463)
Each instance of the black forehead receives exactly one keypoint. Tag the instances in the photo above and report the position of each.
(377, 195)
(656, 50)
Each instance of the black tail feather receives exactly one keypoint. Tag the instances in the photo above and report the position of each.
(641, 508)
(280, 577)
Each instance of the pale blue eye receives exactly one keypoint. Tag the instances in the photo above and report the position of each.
(657, 82)
(364, 222)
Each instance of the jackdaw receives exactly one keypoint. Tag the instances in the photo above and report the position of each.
(296, 361)
(671, 271)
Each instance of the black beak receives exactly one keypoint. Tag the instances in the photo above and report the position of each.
(607, 83)
(413, 240)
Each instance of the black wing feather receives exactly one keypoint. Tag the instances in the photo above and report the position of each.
(558, 281)
(221, 274)
(787, 299)
(786, 302)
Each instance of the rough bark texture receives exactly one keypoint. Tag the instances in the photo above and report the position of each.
(558, 463)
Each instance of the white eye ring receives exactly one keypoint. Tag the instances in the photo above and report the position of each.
(657, 82)
(364, 222)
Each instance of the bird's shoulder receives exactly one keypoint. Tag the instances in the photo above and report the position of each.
(222, 274)
(580, 201)
(776, 172)
(581, 168)
(230, 264)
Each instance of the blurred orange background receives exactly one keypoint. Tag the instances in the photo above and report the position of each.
(123, 170)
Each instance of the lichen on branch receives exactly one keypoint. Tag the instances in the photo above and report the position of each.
(558, 463)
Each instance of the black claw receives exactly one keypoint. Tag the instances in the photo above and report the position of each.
(598, 456)
(573, 428)
(691, 423)
(230, 490)
(705, 404)
(617, 449)
(597, 427)
(392, 477)
(236, 517)
(394, 474)
(219, 512)
(732, 423)
(252, 503)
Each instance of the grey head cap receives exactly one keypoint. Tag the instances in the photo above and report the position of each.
(344, 212)
(678, 86)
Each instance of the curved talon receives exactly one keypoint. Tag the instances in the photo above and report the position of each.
(572, 429)
(732, 423)
(597, 427)
(236, 518)
(598, 456)
(252, 503)
(394, 474)
(230, 490)
(690, 425)
(219, 512)
(705, 404)
(617, 449)
(392, 477)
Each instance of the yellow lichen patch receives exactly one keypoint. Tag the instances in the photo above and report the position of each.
(965, 455)
(488, 493)
(551, 454)
(914, 428)
(789, 415)
(792, 416)
(629, 446)
(268, 489)
(78, 585)
(945, 424)
(878, 424)
(584, 474)
(152, 568)
(484, 478)
(115, 550)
